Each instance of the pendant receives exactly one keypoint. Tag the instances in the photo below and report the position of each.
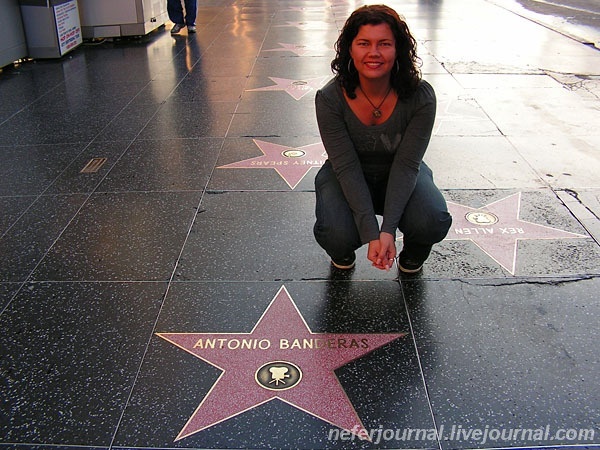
(376, 113)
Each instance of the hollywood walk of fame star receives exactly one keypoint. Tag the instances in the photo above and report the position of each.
(295, 88)
(291, 163)
(496, 229)
(281, 358)
(297, 49)
(307, 26)
(302, 9)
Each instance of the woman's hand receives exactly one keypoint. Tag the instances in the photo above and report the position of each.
(382, 251)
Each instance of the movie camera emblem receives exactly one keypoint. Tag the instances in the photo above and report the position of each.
(278, 375)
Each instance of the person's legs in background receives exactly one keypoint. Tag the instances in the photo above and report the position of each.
(175, 11)
(191, 11)
(425, 222)
(176, 15)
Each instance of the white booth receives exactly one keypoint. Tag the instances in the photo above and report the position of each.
(114, 18)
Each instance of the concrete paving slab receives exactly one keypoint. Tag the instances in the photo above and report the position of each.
(479, 162)
(585, 206)
(499, 80)
(578, 20)
(539, 111)
(562, 161)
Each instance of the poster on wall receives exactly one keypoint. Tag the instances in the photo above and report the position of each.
(68, 26)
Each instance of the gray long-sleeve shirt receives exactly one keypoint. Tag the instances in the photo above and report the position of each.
(363, 155)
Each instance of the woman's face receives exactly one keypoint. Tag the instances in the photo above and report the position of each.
(373, 51)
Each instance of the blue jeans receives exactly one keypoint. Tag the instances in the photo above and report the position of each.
(175, 11)
(425, 221)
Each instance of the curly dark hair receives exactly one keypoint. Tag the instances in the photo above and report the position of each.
(406, 74)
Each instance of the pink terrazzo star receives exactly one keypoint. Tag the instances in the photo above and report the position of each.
(291, 163)
(296, 88)
(280, 359)
(302, 9)
(306, 26)
(496, 229)
(299, 50)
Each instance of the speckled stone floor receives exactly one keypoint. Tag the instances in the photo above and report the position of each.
(176, 298)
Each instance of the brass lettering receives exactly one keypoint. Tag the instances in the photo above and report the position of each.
(233, 344)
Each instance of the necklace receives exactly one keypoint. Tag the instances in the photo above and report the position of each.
(376, 110)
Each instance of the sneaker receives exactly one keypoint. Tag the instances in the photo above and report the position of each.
(176, 28)
(191, 29)
(344, 263)
(407, 264)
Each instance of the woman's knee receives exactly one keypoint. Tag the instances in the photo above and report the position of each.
(429, 228)
(334, 229)
(426, 219)
(336, 234)
(440, 225)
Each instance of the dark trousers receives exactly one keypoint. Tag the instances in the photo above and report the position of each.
(425, 221)
(175, 11)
